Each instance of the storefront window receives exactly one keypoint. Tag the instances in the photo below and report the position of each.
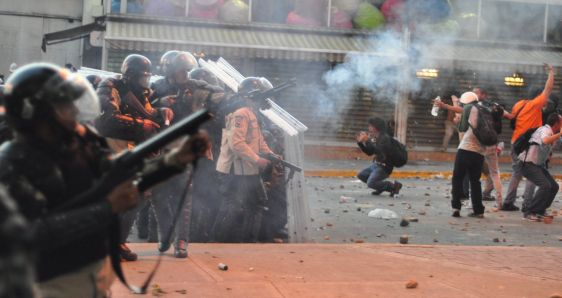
(512, 21)
(132, 6)
(225, 10)
(554, 29)
(465, 14)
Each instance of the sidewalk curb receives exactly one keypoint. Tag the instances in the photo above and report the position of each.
(332, 173)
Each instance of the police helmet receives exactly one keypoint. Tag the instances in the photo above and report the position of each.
(203, 74)
(166, 62)
(251, 84)
(32, 90)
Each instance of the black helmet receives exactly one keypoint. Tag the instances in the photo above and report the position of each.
(135, 66)
(94, 80)
(250, 84)
(203, 74)
(184, 61)
(32, 90)
(166, 62)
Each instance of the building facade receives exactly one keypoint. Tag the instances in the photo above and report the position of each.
(470, 43)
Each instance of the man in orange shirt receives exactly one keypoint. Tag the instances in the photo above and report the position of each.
(528, 114)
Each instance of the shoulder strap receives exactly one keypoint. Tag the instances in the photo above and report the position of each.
(521, 109)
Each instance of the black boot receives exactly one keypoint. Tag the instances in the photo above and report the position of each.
(126, 253)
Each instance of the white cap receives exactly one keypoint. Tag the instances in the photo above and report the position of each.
(13, 67)
(468, 97)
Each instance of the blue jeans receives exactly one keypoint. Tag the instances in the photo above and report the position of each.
(375, 176)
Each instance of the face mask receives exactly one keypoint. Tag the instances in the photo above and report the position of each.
(144, 81)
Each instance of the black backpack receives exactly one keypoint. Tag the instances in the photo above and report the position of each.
(522, 143)
(484, 130)
(398, 154)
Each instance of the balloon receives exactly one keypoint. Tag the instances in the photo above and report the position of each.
(368, 17)
(340, 19)
(234, 11)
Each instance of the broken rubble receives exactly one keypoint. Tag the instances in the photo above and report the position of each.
(411, 284)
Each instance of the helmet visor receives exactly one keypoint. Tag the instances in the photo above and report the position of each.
(84, 97)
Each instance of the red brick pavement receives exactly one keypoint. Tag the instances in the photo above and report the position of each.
(351, 270)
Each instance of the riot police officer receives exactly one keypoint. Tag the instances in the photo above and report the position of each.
(244, 197)
(16, 258)
(51, 161)
(128, 118)
(184, 96)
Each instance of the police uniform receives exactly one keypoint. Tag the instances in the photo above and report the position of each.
(239, 218)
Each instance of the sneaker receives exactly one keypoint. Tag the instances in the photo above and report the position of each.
(164, 246)
(180, 249)
(377, 192)
(456, 213)
(126, 253)
(474, 215)
(488, 198)
(532, 217)
(396, 189)
(509, 207)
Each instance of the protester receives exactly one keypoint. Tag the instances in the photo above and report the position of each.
(527, 114)
(377, 142)
(532, 165)
(469, 159)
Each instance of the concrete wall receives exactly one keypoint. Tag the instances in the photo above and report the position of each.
(23, 23)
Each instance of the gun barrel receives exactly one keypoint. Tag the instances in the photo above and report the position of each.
(188, 125)
(286, 164)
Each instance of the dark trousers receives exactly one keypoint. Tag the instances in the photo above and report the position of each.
(240, 215)
(471, 163)
(547, 189)
(375, 176)
(206, 201)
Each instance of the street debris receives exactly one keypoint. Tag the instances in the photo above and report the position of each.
(327, 211)
(359, 241)
(422, 212)
(157, 291)
(382, 213)
(404, 223)
(327, 238)
(251, 269)
(496, 240)
(223, 266)
(411, 284)
(404, 239)
(412, 219)
(344, 199)
(183, 292)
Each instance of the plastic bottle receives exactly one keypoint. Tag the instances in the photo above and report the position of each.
(435, 110)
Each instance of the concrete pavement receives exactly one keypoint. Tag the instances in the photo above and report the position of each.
(350, 270)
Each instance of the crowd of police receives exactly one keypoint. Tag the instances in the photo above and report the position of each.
(60, 139)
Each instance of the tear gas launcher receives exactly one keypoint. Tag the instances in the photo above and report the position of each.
(127, 165)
